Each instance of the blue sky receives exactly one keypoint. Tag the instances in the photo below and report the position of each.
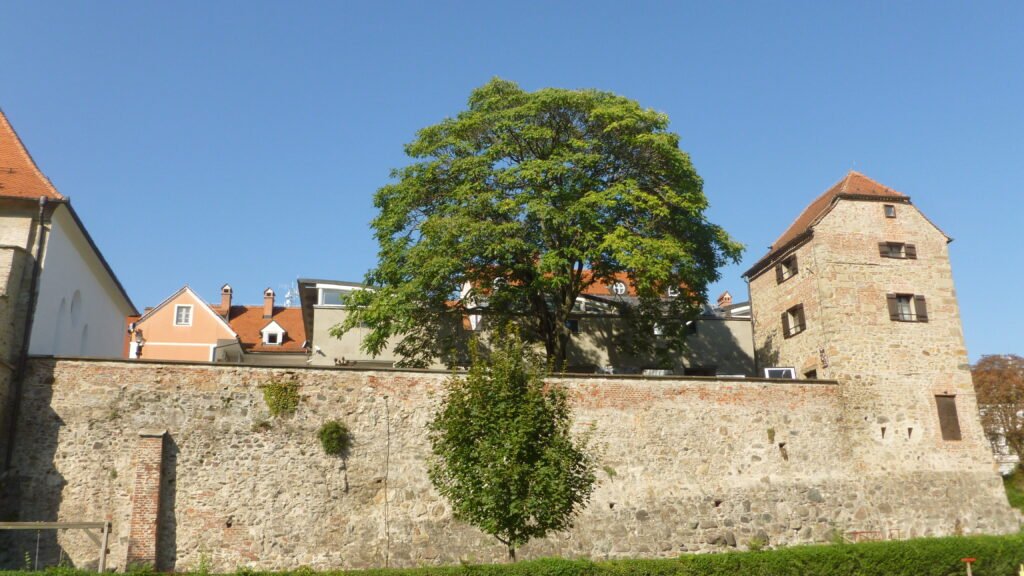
(242, 142)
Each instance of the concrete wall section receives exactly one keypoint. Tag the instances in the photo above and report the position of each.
(696, 464)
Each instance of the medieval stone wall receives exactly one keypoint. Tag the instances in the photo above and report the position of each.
(686, 464)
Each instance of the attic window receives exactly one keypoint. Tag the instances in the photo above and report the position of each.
(890, 210)
(786, 269)
(273, 334)
(618, 288)
(897, 250)
(183, 315)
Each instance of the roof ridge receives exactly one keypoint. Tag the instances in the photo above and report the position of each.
(20, 148)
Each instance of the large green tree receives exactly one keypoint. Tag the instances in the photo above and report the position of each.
(503, 451)
(542, 193)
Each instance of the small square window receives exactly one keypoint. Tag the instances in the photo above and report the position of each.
(890, 210)
(183, 315)
(691, 327)
(811, 375)
(793, 321)
(573, 325)
(273, 338)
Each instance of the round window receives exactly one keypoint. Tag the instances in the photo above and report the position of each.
(619, 288)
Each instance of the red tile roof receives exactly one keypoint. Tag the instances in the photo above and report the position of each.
(247, 321)
(19, 175)
(854, 184)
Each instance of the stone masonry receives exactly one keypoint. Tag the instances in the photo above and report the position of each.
(685, 465)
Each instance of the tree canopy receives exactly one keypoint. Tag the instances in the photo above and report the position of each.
(541, 194)
(503, 451)
(999, 384)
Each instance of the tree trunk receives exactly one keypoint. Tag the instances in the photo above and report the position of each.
(511, 553)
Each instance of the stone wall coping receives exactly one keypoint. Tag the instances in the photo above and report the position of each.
(621, 377)
(152, 433)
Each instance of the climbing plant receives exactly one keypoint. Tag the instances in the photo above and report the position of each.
(282, 398)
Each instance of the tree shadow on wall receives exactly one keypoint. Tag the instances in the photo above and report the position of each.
(33, 486)
(167, 520)
(605, 341)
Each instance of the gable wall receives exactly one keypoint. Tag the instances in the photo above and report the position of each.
(166, 341)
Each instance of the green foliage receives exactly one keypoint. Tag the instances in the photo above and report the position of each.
(1014, 484)
(755, 544)
(503, 451)
(540, 194)
(282, 398)
(335, 438)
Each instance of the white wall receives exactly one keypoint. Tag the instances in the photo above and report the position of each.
(80, 311)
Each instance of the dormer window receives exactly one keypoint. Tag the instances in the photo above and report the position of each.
(786, 269)
(618, 288)
(272, 334)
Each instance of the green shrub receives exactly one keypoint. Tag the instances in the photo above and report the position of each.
(282, 398)
(335, 438)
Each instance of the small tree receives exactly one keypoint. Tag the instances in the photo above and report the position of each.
(999, 383)
(504, 454)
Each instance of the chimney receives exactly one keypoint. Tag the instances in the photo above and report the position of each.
(225, 299)
(268, 303)
(725, 299)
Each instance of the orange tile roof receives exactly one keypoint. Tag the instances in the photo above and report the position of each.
(853, 184)
(247, 321)
(604, 287)
(19, 175)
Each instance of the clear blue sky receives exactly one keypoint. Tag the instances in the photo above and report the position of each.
(241, 142)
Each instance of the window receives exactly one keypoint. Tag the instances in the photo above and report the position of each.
(793, 321)
(897, 250)
(673, 292)
(907, 308)
(183, 315)
(890, 210)
(949, 422)
(618, 288)
(780, 373)
(691, 327)
(811, 375)
(329, 297)
(573, 325)
(273, 338)
(786, 269)
(659, 330)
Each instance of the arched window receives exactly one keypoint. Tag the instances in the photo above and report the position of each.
(76, 309)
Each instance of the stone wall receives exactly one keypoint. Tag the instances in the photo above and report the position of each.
(694, 464)
(892, 371)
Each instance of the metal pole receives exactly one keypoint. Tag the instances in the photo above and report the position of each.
(103, 547)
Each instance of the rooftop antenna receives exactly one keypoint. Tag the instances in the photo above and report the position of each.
(291, 295)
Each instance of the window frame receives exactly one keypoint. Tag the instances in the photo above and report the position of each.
(786, 268)
(177, 309)
(794, 321)
(916, 303)
(889, 210)
(897, 250)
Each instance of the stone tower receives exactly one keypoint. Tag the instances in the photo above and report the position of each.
(859, 290)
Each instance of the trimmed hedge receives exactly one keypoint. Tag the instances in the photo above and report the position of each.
(996, 556)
